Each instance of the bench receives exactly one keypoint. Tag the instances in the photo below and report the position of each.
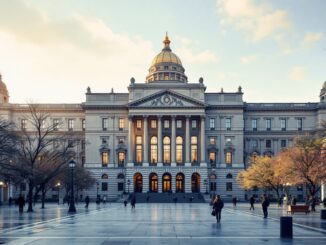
(298, 209)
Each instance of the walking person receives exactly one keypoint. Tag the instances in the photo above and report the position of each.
(125, 203)
(252, 202)
(265, 204)
(234, 201)
(21, 203)
(86, 201)
(313, 204)
(133, 202)
(218, 204)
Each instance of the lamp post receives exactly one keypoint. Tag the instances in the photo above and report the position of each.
(205, 183)
(1, 186)
(128, 182)
(72, 208)
(58, 189)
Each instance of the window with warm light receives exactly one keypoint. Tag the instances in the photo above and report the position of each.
(194, 149)
(153, 124)
(121, 158)
(179, 149)
(121, 124)
(153, 158)
(228, 157)
(166, 123)
(212, 157)
(138, 124)
(166, 149)
(105, 158)
(211, 140)
(139, 149)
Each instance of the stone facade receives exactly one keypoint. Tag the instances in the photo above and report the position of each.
(169, 135)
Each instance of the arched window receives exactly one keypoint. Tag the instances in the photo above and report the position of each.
(179, 149)
(194, 149)
(121, 176)
(229, 176)
(139, 149)
(105, 176)
(153, 158)
(166, 149)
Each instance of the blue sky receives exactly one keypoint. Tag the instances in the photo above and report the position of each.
(50, 51)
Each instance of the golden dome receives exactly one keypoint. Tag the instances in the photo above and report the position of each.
(3, 91)
(166, 65)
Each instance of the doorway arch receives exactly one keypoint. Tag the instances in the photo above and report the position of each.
(195, 183)
(180, 182)
(153, 182)
(166, 182)
(138, 182)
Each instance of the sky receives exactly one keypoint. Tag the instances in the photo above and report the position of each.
(51, 50)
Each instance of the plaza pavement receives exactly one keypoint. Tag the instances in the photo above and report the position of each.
(154, 224)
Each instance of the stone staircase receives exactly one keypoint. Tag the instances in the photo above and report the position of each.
(169, 197)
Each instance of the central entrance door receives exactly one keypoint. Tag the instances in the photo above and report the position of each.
(153, 182)
(179, 184)
(138, 182)
(166, 182)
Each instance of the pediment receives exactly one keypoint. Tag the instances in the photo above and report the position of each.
(166, 98)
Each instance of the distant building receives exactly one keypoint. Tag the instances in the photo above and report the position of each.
(167, 134)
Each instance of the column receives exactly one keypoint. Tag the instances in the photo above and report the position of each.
(145, 162)
(159, 141)
(187, 142)
(202, 142)
(130, 158)
(173, 136)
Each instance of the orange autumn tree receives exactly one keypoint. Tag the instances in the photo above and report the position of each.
(305, 163)
(265, 173)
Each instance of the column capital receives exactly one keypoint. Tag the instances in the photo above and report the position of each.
(145, 116)
(173, 116)
(187, 117)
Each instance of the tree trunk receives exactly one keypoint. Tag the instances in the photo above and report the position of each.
(43, 196)
(30, 196)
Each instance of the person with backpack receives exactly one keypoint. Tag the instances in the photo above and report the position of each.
(265, 204)
(218, 204)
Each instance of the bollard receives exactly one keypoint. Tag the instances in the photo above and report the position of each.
(286, 227)
(323, 214)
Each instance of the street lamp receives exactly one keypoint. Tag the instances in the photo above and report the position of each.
(72, 208)
(58, 188)
(1, 186)
(205, 183)
(128, 182)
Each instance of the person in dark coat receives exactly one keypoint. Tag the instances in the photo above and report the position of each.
(125, 203)
(265, 204)
(234, 201)
(133, 202)
(313, 204)
(294, 201)
(21, 203)
(218, 204)
(252, 201)
(86, 201)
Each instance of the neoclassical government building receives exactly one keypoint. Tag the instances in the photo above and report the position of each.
(168, 135)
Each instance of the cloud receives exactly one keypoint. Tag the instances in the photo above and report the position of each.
(257, 19)
(311, 38)
(248, 59)
(186, 52)
(298, 73)
(65, 56)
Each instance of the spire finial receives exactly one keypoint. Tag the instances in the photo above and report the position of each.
(166, 42)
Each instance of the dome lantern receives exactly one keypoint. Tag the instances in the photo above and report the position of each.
(166, 66)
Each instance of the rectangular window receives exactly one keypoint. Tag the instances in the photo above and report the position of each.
(283, 143)
(153, 124)
(268, 143)
(228, 186)
(166, 123)
(138, 124)
(179, 153)
(194, 148)
(212, 123)
(228, 158)
(228, 123)
(120, 187)
(194, 124)
(70, 124)
(254, 143)
(105, 124)
(283, 124)
(55, 124)
(121, 158)
(212, 157)
(121, 124)
(23, 124)
(211, 140)
(105, 159)
(299, 124)
(268, 124)
(83, 124)
(179, 123)
(254, 124)
(104, 186)
(139, 149)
